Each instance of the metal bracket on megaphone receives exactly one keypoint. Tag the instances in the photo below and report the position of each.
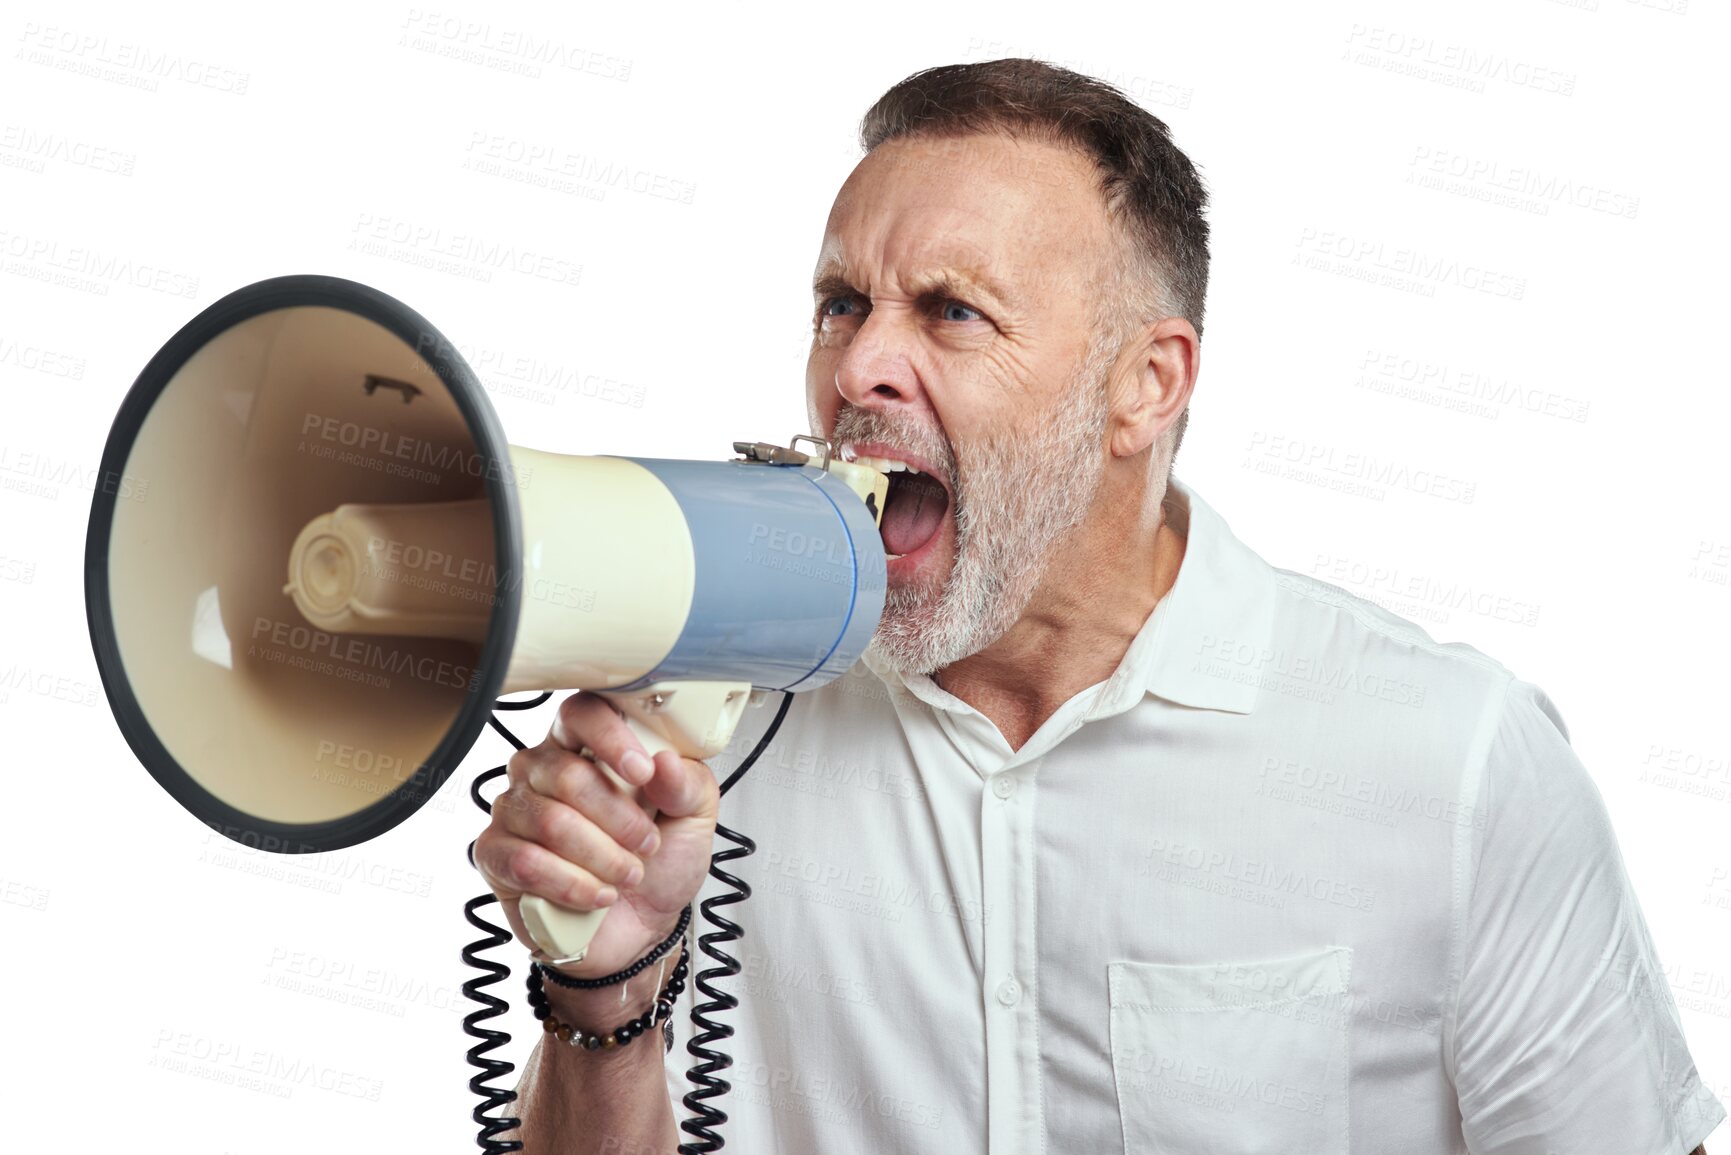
(872, 486)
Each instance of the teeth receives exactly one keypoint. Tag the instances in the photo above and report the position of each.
(894, 556)
(881, 464)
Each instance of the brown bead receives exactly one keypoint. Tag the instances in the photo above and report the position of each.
(608, 1041)
(564, 1033)
(549, 1025)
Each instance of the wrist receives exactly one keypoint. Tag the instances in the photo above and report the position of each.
(603, 1018)
(574, 977)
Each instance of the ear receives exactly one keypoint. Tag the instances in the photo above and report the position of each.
(1152, 383)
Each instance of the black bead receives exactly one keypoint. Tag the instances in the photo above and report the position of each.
(541, 1012)
(624, 1034)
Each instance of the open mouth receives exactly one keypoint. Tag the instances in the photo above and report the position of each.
(914, 510)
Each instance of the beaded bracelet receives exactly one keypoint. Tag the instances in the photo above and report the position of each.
(630, 972)
(661, 1011)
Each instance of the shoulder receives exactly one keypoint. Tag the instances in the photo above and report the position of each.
(1362, 654)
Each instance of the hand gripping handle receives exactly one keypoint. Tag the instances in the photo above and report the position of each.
(695, 718)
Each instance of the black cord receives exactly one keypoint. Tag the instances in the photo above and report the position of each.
(491, 1006)
(704, 1073)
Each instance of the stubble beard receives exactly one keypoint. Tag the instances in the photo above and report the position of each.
(1016, 498)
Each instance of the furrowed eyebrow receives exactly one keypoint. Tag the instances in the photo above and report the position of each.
(941, 284)
(961, 285)
(831, 284)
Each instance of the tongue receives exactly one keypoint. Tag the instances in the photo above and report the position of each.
(913, 512)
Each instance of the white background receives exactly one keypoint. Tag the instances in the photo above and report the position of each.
(1464, 250)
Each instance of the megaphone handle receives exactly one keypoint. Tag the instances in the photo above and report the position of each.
(564, 935)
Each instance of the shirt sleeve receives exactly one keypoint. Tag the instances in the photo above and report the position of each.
(1565, 1035)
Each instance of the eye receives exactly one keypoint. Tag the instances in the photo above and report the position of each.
(956, 311)
(837, 306)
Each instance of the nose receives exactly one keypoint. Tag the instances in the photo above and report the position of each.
(876, 370)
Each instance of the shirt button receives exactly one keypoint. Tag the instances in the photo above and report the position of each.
(1003, 786)
(1009, 993)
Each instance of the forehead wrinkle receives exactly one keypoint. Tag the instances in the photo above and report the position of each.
(834, 275)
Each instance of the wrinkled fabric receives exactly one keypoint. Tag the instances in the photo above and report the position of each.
(1294, 878)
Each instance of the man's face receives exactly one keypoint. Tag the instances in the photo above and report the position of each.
(956, 301)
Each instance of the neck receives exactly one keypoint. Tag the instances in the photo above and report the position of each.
(1098, 590)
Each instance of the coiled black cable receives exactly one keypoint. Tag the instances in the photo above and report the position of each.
(491, 1006)
(703, 1074)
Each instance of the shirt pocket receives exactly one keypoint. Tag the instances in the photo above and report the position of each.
(1232, 1058)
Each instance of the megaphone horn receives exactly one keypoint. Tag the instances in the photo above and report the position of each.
(329, 545)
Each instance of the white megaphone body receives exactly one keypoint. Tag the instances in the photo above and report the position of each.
(311, 537)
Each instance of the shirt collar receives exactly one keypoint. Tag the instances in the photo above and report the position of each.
(1208, 637)
(1205, 639)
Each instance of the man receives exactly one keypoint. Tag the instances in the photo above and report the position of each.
(1121, 840)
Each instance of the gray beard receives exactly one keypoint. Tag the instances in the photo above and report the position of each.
(1015, 500)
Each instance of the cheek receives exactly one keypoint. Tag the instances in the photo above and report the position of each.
(1002, 372)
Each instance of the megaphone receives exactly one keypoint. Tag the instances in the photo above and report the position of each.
(311, 543)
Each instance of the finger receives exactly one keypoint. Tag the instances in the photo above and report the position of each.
(580, 785)
(567, 833)
(586, 719)
(682, 787)
(517, 866)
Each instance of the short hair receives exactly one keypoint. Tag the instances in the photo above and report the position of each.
(1152, 189)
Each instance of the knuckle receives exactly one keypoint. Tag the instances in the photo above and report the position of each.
(582, 785)
(549, 825)
(509, 805)
(519, 766)
(523, 865)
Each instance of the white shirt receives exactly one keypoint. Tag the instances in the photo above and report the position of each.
(1295, 878)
